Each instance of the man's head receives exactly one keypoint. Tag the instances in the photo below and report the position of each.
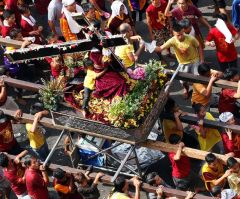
(204, 69)
(24, 10)
(52, 38)
(199, 109)
(16, 34)
(81, 179)
(178, 31)
(182, 4)
(4, 160)
(70, 5)
(126, 29)
(88, 64)
(59, 174)
(36, 107)
(211, 160)
(121, 184)
(187, 25)
(90, 11)
(31, 162)
(223, 17)
(227, 117)
(9, 16)
(174, 138)
(156, 3)
(231, 74)
(153, 179)
(233, 164)
(171, 106)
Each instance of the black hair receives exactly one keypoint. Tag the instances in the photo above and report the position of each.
(87, 6)
(176, 26)
(223, 17)
(3, 160)
(204, 68)
(197, 107)
(14, 32)
(87, 62)
(229, 73)
(59, 174)
(150, 178)
(23, 9)
(174, 138)
(119, 184)
(36, 107)
(216, 190)
(96, 24)
(27, 160)
(210, 158)
(7, 14)
(231, 161)
(185, 23)
(170, 104)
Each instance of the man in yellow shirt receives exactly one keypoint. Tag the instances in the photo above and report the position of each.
(187, 51)
(234, 178)
(35, 134)
(126, 52)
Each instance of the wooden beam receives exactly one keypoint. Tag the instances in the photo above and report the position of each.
(13, 43)
(155, 145)
(189, 152)
(203, 80)
(21, 84)
(107, 180)
(193, 120)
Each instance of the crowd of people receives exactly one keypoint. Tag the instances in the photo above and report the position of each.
(172, 25)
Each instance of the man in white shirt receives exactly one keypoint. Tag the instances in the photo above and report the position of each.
(54, 15)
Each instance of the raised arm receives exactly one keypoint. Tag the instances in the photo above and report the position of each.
(177, 156)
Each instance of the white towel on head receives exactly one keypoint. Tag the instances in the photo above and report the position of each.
(115, 7)
(67, 2)
(222, 27)
(73, 25)
(31, 21)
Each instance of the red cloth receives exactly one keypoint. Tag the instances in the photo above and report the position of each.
(5, 30)
(12, 5)
(225, 52)
(180, 168)
(192, 13)
(227, 101)
(15, 178)
(157, 16)
(231, 145)
(7, 140)
(116, 22)
(36, 186)
(42, 6)
(109, 85)
(101, 4)
(26, 28)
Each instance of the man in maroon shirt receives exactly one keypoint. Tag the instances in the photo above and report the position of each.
(185, 10)
(14, 172)
(183, 177)
(7, 141)
(36, 178)
(228, 97)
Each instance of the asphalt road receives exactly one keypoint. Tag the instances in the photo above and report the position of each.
(206, 6)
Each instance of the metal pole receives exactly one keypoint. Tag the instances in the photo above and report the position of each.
(137, 162)
(53, 149)
(122, 164)
(172, 78)
(111, 156)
